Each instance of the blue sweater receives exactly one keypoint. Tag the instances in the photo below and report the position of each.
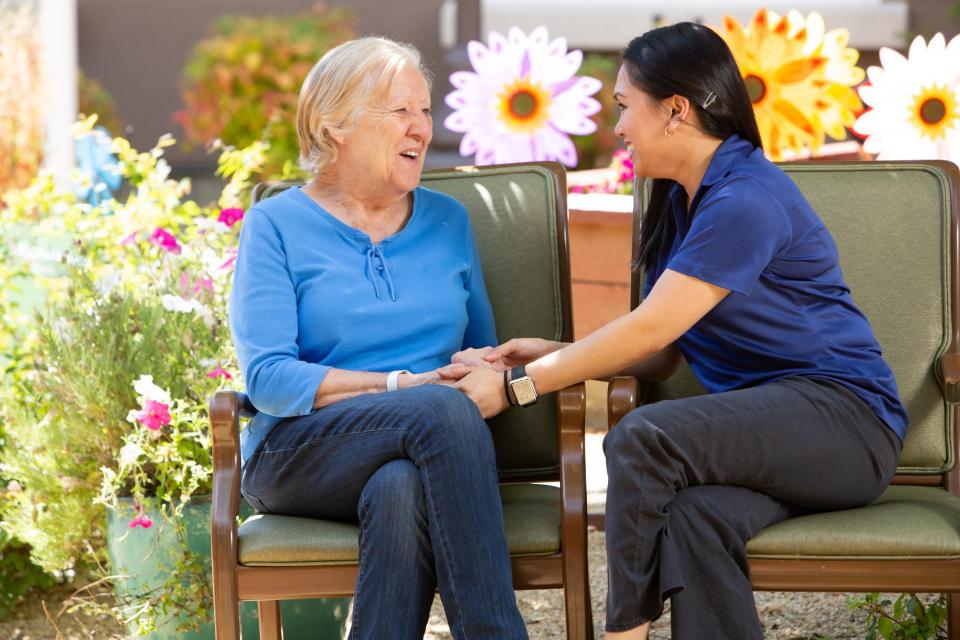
(311, 293)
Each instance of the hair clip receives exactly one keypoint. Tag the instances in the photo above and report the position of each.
(710, 100)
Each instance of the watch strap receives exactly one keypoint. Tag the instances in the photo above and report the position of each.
(511, 400)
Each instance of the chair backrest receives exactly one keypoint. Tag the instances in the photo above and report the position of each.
(893, 223)
(519, 215)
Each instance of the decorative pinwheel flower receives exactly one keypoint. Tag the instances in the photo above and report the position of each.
(915, 103)
(523, 99)
(798, 76)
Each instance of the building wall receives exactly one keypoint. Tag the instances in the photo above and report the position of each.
(137, 49)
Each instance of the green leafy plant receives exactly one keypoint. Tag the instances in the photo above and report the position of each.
(115, 336)
(242, 83)
(906, 618)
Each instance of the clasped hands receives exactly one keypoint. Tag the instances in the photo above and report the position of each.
(479, 372)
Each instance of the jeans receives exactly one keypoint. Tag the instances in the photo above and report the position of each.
(691, 481)
(417, 469)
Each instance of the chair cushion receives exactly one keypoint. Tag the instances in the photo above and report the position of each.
(531, 513)
(903, 523)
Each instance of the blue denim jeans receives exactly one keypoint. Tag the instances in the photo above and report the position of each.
(417, 470)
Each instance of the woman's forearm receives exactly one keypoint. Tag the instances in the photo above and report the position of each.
(675, 304)
(657, 367)
(609, 350)
(341, 384)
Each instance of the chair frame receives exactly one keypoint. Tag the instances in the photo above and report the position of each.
(268, 585)
(897, 575)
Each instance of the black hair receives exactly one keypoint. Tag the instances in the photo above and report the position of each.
(692, 61)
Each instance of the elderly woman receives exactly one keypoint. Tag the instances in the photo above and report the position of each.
(349, 293)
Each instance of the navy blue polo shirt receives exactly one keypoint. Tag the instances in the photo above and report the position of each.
(789, 312)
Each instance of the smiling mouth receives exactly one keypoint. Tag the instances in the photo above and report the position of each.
(412, 155)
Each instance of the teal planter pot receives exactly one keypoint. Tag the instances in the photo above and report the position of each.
(145, 556)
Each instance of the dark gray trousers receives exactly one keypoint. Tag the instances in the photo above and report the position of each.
(690, 481)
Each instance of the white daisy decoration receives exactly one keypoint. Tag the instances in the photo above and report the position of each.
(915, 102)
(523, 99)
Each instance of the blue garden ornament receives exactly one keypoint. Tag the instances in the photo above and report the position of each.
(98, 165)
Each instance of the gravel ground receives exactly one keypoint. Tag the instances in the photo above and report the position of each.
(785, 616)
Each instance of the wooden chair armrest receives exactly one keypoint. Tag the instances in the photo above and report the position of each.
(950, 369)
(623, 396)
(225, 425)
(572, 402)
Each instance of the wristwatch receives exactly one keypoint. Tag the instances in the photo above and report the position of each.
(522, 390)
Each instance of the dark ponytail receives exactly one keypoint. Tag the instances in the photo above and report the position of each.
(692, 61)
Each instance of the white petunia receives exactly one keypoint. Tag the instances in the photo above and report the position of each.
(148, 391)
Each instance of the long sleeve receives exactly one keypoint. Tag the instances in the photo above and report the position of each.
(481, 330)
(265, 324)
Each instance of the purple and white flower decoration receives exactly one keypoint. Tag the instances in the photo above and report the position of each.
(523, 99)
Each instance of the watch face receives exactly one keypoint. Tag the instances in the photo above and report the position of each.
(524, 391)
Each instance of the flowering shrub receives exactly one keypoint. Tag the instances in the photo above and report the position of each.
(21, 95)
(105, 397)
(618, 177)
(242, 83)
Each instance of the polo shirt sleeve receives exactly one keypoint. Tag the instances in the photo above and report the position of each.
(265, 326)
(481, 330)
(737, 230)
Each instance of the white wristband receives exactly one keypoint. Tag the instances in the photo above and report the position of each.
(392, 379)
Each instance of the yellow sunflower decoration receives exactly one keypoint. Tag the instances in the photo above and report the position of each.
(799, 77)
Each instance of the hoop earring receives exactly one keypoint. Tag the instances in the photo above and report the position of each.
(667, 132)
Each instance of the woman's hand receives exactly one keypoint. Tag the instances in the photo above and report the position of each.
(407, 380)
(485, 388)
(518, 351)
(474, 358)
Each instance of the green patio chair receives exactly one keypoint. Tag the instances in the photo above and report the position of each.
(519, 216)
(896, 226)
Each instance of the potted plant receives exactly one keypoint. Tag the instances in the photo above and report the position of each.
(106, 405)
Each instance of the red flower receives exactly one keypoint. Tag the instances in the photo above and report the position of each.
(220, 372)
(154, 414)
(230, 216)
(165, 240)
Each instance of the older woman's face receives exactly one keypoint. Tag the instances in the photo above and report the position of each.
(391, 138)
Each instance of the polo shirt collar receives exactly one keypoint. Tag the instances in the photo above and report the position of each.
(730, 152)
(727, 156)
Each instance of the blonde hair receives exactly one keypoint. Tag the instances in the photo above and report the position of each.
(340, 86)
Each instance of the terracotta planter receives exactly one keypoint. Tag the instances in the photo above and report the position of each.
(600, 253)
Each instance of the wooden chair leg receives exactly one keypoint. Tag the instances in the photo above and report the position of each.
(268, 611)
(226, 614)
(953, 616)
(576, 594)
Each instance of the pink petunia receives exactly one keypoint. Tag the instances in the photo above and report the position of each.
(142, 520)
(165, 240)
(203, 284)
(220, 372)
(230, 216)
(154, 414)
(231, 258)
(130, 239)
